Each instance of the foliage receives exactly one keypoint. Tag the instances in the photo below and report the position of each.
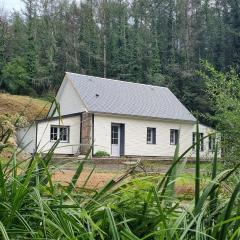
(102, 154)
(152, 42)
(8, 125)
(14, 75)
(34, 207)
(223, 90)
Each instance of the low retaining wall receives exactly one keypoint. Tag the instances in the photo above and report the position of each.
(122, 160)
(143, 160)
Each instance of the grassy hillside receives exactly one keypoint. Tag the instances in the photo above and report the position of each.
(30, 107)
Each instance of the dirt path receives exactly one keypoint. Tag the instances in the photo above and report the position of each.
(99, 179)
(96, 180)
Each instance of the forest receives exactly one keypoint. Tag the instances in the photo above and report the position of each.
(161, 42)
(190, 46)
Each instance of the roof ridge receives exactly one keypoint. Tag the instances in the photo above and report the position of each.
(117, 80)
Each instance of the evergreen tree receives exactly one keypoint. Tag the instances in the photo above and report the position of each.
(31, 47)
(152, 42)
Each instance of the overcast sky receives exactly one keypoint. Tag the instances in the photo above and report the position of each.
(11, 4)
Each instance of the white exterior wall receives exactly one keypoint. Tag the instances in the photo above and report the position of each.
(136, 135)
(26, 138)
(206, 131)
(43, 135)
(68, 99)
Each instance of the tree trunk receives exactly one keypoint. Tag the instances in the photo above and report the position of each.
(104, 40)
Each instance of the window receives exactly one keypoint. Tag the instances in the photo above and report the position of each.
(59, 132)
(54, 133)
(151, 135)
(115, 133)
(211, 143)
(63, 134)
(194, 139)
(174, 136)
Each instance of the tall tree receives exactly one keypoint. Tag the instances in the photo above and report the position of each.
(152, 42)
(3, 43)
(31, 50)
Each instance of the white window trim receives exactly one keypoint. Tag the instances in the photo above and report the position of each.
(211, 143)
(58, 133)
(201, 135)
(113, 132)
(173, 140)
(152, 137)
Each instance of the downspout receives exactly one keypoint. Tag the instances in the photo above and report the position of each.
(36, 137)
(80, 146)
(92, 134)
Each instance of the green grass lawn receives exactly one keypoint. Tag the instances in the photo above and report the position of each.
(185, 174)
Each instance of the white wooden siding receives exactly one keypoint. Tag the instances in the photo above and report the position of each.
(43, 136)
(26, 138)
(71, 147)
(136, 135)
(68, 99)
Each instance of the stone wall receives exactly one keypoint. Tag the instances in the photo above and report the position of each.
(86, 132)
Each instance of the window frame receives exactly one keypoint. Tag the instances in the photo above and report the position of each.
(211, 143)
(115, 135)
(53, 133)
(58, 127)
(152, 135)
(194, 138)
(175, 140)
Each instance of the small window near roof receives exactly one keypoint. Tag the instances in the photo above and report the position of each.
(194, 139)
(151, 135)
(174, 136)
(59, 132)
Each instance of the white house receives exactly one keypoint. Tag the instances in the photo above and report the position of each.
(118, 117)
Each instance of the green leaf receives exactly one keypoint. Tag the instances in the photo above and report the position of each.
(112, 224)
(4, 232)
(224, 230)
(78, 172)
(197, 165)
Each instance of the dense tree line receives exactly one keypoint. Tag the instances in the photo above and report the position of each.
(158, 42)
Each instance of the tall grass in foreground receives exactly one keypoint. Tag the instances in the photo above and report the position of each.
(32, 206)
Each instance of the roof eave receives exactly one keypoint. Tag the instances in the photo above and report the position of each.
(58, 117)
(140, 116)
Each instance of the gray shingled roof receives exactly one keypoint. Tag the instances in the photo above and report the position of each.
(119, 97)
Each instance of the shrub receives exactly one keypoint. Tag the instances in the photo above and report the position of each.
(8, 125)
(102, 154)
(34, 207)
(223, 89)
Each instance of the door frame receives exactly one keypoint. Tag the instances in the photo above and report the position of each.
(121, 137)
